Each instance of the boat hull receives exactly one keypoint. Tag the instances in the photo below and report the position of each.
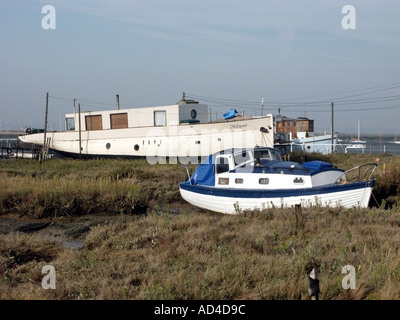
(233, 201)
(181, 143)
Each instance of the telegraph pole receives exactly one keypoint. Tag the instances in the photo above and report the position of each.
(45, 129)
(332, 127)
(80, 131)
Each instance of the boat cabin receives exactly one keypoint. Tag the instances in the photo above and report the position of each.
(184, 112)
(262, 168)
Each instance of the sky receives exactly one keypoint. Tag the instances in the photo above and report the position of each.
(258, 56)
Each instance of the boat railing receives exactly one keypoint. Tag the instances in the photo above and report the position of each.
(362, 172)
(188, 174)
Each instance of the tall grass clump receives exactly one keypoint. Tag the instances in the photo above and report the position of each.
(66, 187)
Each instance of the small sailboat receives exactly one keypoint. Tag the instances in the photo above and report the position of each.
(356, 143)
(396, 141)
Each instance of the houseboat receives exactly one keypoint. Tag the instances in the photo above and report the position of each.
(182, 132)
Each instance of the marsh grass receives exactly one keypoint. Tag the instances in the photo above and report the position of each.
(255, 255)
(66, 187)
(194, 254)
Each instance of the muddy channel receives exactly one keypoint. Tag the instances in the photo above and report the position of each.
(69, 231)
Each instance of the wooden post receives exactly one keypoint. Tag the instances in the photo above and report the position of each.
(45, 130)
(299, 216)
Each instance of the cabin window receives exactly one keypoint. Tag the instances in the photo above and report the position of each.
(224, 181)
(197, 142)
(241, 158)
(222, 165)
(119, 120)
(239, 180)
(70, 124)
(160, 118)
(94, 122)
(298, 181)
(263, 181)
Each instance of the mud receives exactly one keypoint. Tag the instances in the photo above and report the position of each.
(69, 231)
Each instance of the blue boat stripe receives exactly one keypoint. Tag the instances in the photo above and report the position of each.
(277, 193)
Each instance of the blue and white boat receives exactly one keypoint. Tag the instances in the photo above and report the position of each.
(257, 178)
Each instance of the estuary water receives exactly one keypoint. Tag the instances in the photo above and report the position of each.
(374, 144)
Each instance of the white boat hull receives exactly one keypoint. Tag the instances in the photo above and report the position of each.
(357, 196)
(180, 143)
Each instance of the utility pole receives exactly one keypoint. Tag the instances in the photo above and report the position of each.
(45, 129)
(332, 127)
(80, 130)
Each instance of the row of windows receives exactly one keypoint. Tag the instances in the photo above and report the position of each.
(225, 181)
(117, 121)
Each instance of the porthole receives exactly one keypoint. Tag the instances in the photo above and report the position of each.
(136, 147)
(298, 181)
(108, 145)
(239, 180)
(263, 181)
(193, 114)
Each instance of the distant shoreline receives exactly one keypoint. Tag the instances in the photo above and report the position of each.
(4, 133)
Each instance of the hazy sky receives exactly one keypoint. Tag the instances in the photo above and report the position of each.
(296, 55)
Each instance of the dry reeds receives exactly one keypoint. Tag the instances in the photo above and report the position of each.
(193, 254)
(258, 255)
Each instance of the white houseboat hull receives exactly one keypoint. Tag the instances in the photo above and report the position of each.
(176, 133)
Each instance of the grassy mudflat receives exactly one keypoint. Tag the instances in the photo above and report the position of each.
(147, 243)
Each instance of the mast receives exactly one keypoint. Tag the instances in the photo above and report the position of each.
(262, 105)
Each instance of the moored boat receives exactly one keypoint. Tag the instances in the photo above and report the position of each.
(182, 132)
(256, 178)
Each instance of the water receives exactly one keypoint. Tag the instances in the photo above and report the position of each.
(374, 144)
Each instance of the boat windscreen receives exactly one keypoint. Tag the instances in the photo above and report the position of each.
(241, 157)
(268, 154)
